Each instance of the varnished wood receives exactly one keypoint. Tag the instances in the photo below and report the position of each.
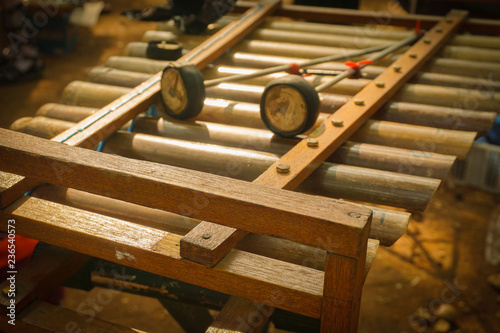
(291, 287)
(303, 160)
(241, 316)
(199, 195)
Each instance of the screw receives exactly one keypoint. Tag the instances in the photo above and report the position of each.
(337, 122)
(449, 20)
(206, 236)
(439, 29)
(380, 84)
(355, 215)
(283, 168)
(359, 101)
(397, 68)
(312, 142)
(427, 41)
(413, 54)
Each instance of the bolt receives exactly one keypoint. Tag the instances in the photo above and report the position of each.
(337, 122)
(439, 29)
(413, 54)
(449, 20)
(380, 84)
(397, 68)
(312, 142)
(359, 101)
(427, 41)
(283, 168)
(206, 236)
(355, 215)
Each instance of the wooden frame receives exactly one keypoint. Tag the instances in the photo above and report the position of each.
(332, 294)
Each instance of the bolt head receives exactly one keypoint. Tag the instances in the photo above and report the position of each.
(427, 41)
(312, 142)
(206, 236)
(283, 168)
(397, 68)
(413, 54)
(337, 122)
(449, 20)
(355, 215)
(439, 29)
(359, 101)
(380, 84)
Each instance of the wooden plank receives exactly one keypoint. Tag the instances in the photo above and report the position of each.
(349, 16)
(109, 119)
(303, 160)
(287, 286)
(44, 273)
(258, 209)
(241, 316)
(192, 318)
(45, 317)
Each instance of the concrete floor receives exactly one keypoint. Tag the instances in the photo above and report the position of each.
(440, 259)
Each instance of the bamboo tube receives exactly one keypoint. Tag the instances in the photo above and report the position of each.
(188, 41)
(248, 164)
(317, 39)
(136, 49)
(91, 94)
(308, 50)
(410, 113)
(487, 70)
(140, 65)
(374, 31)
(242, 59)
(116, 77)
(356, 154)
(69, 113)
(410, 92)
(387, 226)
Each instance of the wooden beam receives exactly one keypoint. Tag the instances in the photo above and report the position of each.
(258, 209)
(109, 119)
(287, 286)
(303, 160)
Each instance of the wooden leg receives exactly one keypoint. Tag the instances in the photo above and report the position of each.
(344, 278)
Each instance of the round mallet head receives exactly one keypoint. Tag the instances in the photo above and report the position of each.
(182, 90)
(289, 105)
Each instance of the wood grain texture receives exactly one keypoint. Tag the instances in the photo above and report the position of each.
(285, 214)
(44, 273)
(241, 316)
(288, 286)
(271, 247)
(103, 123)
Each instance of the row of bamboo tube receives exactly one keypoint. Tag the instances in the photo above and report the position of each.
(396, 159)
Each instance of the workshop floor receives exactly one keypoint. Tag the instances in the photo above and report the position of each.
(440, 260)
